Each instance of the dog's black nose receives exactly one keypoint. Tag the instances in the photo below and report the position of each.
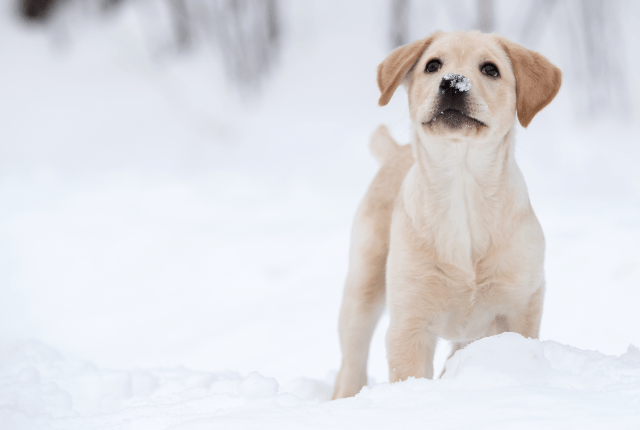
(454, 85)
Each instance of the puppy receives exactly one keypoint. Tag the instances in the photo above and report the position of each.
(446, 231)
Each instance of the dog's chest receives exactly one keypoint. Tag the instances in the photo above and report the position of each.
(459, 240)
(457, 216)
(471, 307)
(468, 317)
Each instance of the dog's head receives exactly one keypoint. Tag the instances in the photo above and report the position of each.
(469, 84)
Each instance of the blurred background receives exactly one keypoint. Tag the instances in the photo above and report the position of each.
(178, 177)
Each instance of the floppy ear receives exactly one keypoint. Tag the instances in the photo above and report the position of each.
(537, 80)
(396, 66)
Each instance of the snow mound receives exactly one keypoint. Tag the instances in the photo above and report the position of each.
(510, 360)
(496, 382)
(256, 386)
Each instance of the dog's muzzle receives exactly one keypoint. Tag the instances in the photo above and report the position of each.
(452, 108)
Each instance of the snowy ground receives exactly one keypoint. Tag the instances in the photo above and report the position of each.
(505, 381)
(166, 251)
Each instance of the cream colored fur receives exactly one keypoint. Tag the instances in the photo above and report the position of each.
(446, 231)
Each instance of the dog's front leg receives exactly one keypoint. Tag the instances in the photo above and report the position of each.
(410, 349)
(414, 299)
(411, 340)
(527, 322)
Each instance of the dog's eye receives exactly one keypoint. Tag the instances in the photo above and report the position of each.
(490, 69)
(433, 66)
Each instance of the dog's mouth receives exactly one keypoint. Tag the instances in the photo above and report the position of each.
(453, 118)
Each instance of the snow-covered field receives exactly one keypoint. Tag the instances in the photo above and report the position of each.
(173, 258)
(505, 381)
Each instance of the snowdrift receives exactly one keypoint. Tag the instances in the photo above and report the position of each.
(505, 381)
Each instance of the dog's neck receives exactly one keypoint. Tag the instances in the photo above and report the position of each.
(458, 193)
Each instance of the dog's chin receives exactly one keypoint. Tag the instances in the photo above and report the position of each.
(453, 120)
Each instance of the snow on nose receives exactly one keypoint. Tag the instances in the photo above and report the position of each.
(456, 82)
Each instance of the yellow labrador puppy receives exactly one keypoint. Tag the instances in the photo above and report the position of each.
(446, 231)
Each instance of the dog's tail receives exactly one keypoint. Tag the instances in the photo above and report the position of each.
(382, 144)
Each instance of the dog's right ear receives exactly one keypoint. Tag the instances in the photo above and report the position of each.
(396, 66)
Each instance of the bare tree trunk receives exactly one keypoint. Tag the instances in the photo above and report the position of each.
(181, 24)
(247, 33)
(110, 4)
(591, 39)
(273, 21)
(537, 18)
(36, 9)
(399, 23)
(486, 16)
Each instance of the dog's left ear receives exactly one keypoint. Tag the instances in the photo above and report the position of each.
(396, 66)
(537, 80)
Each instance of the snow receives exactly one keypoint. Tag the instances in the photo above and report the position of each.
(172, 257)
(461, 83)
(495, 383)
